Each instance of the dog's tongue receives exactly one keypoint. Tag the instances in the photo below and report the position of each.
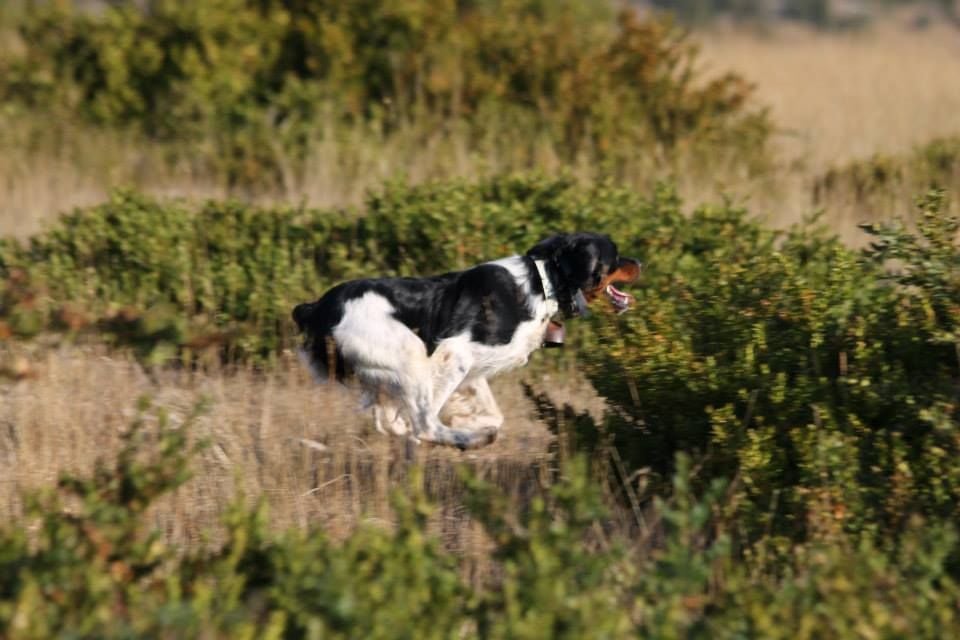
(620, 300)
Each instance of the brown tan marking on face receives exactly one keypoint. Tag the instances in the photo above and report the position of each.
(626, 272)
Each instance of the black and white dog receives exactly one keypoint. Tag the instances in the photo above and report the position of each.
(423, 348)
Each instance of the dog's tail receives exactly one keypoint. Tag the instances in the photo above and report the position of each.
(316, 320)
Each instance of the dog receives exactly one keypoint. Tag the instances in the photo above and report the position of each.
(422, 349)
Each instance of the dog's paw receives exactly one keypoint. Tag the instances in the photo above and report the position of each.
(475, 439)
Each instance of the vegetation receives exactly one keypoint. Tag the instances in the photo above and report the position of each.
(803, 331)
(94, 568)
(820, 13)
(776, 451)
(252, 84)
(879, 182)
(168, 275)
(815, 386)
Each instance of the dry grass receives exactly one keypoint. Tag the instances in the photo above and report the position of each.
(839, 97)
(47, 168)
(306, 449)
(835, 97)
(303, 447)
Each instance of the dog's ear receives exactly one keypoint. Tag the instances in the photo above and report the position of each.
(573, 255)
(550, 248)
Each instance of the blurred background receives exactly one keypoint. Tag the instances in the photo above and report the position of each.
(787, 105)
(765, 446)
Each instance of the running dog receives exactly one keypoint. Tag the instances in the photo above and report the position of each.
(422, 349)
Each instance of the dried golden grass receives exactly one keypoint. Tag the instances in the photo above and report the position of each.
(305, 448)
(840, 97)
(835, 98)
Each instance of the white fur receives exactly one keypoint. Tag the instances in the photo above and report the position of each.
(380, 347)
(410, 390)
(518, 269)
(490, 360)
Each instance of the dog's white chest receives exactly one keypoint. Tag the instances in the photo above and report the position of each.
(527, 338)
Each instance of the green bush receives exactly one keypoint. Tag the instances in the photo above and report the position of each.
(849, 590)
(823, 378)
(168, 276)
(250, 82)
(95, 568)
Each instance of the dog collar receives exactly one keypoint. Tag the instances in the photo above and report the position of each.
(549, 294)
(548, 291)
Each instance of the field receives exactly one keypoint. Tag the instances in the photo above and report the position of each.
(884, 91)
(764, 447)
(842, 98)
(307, 449)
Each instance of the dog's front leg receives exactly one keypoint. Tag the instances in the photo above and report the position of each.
(449, 365)
(473, 407)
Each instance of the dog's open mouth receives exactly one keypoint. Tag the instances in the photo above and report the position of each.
(626, 272)
(621, 301)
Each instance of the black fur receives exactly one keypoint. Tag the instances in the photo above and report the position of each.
(486, 299)
(576, 262)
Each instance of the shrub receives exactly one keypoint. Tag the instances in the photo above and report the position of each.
(256, 80)
(173, 276)
(823, 381)
(168, 275)
(883, 182)
(848, 590)
(95, 568)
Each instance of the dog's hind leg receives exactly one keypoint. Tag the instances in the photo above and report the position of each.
(450, 365)
(425, 396)
(388, 415)
(388, 357)
(427, 426)
(405, 396)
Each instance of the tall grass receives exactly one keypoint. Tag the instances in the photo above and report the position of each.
(64, 167)
(272, 101)
(841, 98)
(835, 98)
(305, 448)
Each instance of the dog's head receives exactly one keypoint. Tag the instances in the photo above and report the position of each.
(583, 266)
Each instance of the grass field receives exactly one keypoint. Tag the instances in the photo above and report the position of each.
(305, 448)
(837, 98)
(788, 369)
(834, 98)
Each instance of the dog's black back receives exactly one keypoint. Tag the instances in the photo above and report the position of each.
(485, 300)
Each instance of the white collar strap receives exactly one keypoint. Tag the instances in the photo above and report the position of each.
(548, 291)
